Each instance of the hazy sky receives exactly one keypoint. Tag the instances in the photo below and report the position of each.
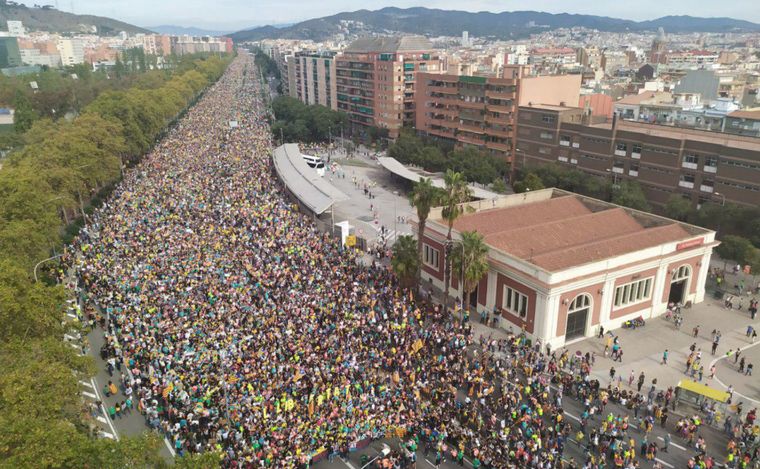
(238, 14)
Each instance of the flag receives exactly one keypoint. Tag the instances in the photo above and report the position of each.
(167, 390)
(417, 346)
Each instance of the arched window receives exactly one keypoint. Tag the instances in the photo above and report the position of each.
(580, 302)
(682, 273)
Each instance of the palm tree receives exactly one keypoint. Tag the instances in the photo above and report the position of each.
(405, 261)
(423, 197)
(456, 192)
(474, 256)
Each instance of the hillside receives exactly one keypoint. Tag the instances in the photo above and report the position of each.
(50, 19)
(505, 25)
(189, 30)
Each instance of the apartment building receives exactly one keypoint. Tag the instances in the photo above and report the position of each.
(71, 50)
(315, 78)
(376, 80)
(480, 111)
(699, 165)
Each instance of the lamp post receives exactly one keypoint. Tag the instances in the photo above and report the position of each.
(723, 199)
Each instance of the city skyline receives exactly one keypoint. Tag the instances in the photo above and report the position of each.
(217, 15)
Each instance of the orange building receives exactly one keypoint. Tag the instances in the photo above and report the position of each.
(599, 104)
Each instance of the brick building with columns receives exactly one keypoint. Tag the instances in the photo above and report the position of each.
(562, 264)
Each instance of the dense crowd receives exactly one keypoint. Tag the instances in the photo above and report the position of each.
(241, 328)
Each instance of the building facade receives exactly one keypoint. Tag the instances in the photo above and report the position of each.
(10, 56)
(562, 265)
(71, 50)
(699, 165)
(376, 80)
(315, 78)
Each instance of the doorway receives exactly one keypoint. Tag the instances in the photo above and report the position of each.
(679, 281)
(474, 298)
(577, 317)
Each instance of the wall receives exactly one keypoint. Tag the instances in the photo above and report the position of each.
(550, 89)
(600, 104)
(529, 322)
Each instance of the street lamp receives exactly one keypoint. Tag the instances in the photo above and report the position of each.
(723, 199)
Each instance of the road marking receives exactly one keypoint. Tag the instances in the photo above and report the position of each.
(70, 338)
(427, 461)
(107, 435)
(72, 316)
(85, 383)
(577, 419)
(101, 419)
(666, 464)
(347, 463)
(721, 382)
(676, 445)
(90, 395)
(103, 408)
(168, 445)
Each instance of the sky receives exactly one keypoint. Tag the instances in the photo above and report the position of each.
(233, 15)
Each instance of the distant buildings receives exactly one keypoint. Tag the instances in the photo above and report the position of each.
(376, 80)
(315, 78)
(71, 50)
(10, 56)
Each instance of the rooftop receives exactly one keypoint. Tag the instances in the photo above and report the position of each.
(754, 115)
(557, 230)
(647, 97)
(390, 44)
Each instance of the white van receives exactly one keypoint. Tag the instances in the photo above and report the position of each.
(316, 163)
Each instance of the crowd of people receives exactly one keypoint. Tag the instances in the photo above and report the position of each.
(241, 328)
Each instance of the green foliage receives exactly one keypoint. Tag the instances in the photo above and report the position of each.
(266, 64)
(678, 207)
(61, 165)
(423, 197)
(471, 256)
(531, 182)
(405, 261)
(24, 115)
(475, 165)
(297, 122)
(737, 249)
(499, 186)
(630, 194)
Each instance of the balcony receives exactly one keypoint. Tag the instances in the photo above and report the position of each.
(616, 169)
(444, 89)
(686, 184)
(444, 111)
(498, 132)
(620, 152)
(444, 100)
(633, 173)
(441, 133)
(471, 140)
(576, 145)
(704, 188)
(472, 128)
(636, 155)
(564, 143)
(498, 146)
(503, 120)
(689, 165)
(710, 169)
(471, 105)
(500, 94)
(498, 108)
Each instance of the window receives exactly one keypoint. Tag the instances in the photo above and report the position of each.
(546, 135)
(564, 140)
(548, 118)
(515, 302)
(636, 148)
(632, 293)
(711, 164)
(544, 150)
(621, 147)
(683, 273)
(430, 256)
(690, 161)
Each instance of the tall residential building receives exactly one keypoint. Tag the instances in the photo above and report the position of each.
(376, 80)
(16, 28)
(315, 78)
(698, 165)
(480, 111)
(10, 56)
(71, 50)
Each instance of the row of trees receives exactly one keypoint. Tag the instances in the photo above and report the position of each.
(466, 257)
(61, 165)
(436, 156)
(297, 122)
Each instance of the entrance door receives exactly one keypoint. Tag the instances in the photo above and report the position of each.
(577, 317)
(474, 298)
(678, 284)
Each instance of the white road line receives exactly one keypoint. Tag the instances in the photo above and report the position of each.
(666, 464)
(89, 394)
(168, 445)
(676, 445)
(721, 382)
(577, 419)
(107, 435)
(72, 316)
(103, 408)
(427, 461)
(101, 419)
(85, 383)
(70, 338)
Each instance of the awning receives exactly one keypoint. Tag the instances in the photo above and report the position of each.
(703, 390)
(304, 182)
(394, 166)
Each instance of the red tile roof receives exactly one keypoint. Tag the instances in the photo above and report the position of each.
(563, 232)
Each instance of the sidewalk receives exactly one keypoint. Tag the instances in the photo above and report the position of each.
(643, 348)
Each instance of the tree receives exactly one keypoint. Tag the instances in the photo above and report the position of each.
(499, 186)
(24, 115)
(405, 261)
(678, 207)
(629, 194)
(472, 259)
(423, 197)
(456, 192)
(736, 248)
(531, 182)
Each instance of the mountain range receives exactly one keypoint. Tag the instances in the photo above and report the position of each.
(182, 30)
(49, 19)
(504, 25)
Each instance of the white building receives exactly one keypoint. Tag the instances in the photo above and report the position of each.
(35, 57)
(71, 50)
(16, 28)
